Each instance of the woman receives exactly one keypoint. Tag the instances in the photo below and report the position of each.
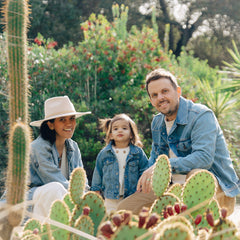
(54, 155)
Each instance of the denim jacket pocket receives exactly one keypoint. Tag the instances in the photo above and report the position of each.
(184, 147)
(133, 174)
(108, 169)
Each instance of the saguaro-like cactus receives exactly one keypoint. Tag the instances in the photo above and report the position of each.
(16, 21)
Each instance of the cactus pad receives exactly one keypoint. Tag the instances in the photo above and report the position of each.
(32, 224)
(199, 187)
(161, 175)
(175, 231)
(176, 189)
(224, 229)
(97, 209)
(127, 232)
(85, 224)
(162, 202)
(60, 213)
(69, 202)
(77, 185)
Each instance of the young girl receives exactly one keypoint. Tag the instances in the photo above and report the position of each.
(53, 154)
(120, 164)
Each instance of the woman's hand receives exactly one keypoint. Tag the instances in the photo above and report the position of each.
(145, 181)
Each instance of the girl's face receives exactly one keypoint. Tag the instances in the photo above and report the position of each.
(63, 126)
(121, 133)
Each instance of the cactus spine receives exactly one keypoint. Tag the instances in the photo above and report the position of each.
(16, 21)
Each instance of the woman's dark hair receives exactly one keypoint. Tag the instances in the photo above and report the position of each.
(46, 133)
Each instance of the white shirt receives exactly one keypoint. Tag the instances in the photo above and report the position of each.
(121, 154)
(176, 178)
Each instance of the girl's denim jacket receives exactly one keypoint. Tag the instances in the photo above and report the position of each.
(44, 162)
(198, 142)
(106, 172)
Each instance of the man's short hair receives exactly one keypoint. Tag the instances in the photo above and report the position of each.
(158, 74)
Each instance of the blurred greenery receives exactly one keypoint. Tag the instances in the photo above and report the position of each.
(105, 74)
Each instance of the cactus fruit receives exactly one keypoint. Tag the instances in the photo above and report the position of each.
(161, 175)
(162, 202)
(60, 213)
(77, 185)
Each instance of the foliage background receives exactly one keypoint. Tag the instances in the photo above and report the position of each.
(105, 74)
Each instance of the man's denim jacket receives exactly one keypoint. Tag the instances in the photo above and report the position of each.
(106, 172)
(198, 142)
(44, 162)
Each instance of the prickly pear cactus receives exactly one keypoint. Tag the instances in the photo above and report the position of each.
(60, 213)
(85, 224)
(161, 175)
(224, 229)
(97, 209)
(77, 185)
(175, 231)
(161, 203)
(128, 232)
(175, 189)
(199, 189)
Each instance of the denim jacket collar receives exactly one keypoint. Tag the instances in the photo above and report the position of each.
(182, 114)
(133, 150)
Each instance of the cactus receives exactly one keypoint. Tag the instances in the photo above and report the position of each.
(175, 231)
(161, 175)
(60, 213)
(16, 21)
(176, 189)
(98, 210)
(161, 203)
(85, 224)
(77, 185)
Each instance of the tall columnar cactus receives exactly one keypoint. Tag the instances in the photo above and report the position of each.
(16, 21)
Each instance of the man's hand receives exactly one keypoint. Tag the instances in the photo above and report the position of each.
(145, 181)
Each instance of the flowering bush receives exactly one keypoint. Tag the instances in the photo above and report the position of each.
(105, 74)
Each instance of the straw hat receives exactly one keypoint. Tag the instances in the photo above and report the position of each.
(58, 107)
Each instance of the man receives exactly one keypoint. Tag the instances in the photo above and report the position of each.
(190, 135)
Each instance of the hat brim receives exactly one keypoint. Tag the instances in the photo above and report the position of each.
(76, 114)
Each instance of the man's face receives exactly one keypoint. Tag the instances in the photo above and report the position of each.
(164, 97)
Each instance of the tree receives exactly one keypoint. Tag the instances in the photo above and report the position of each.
(187, 17)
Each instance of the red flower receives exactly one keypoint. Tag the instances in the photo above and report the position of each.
(107, 28)
(38, 42)
(110, 78)
(51, 45)
(106, 52)
(74, 66)
(133, 59)
(99, 69)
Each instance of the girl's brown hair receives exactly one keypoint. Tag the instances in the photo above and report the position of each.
(106, 126)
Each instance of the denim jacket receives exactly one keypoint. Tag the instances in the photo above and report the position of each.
(44, 162)
(198, 142)
(106, 172)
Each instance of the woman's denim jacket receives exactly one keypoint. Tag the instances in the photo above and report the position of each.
(44, 162)
(198, 142)
(106, 172)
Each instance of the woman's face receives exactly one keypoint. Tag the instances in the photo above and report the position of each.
(64, 127)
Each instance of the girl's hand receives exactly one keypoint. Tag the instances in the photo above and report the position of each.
(145, 181)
